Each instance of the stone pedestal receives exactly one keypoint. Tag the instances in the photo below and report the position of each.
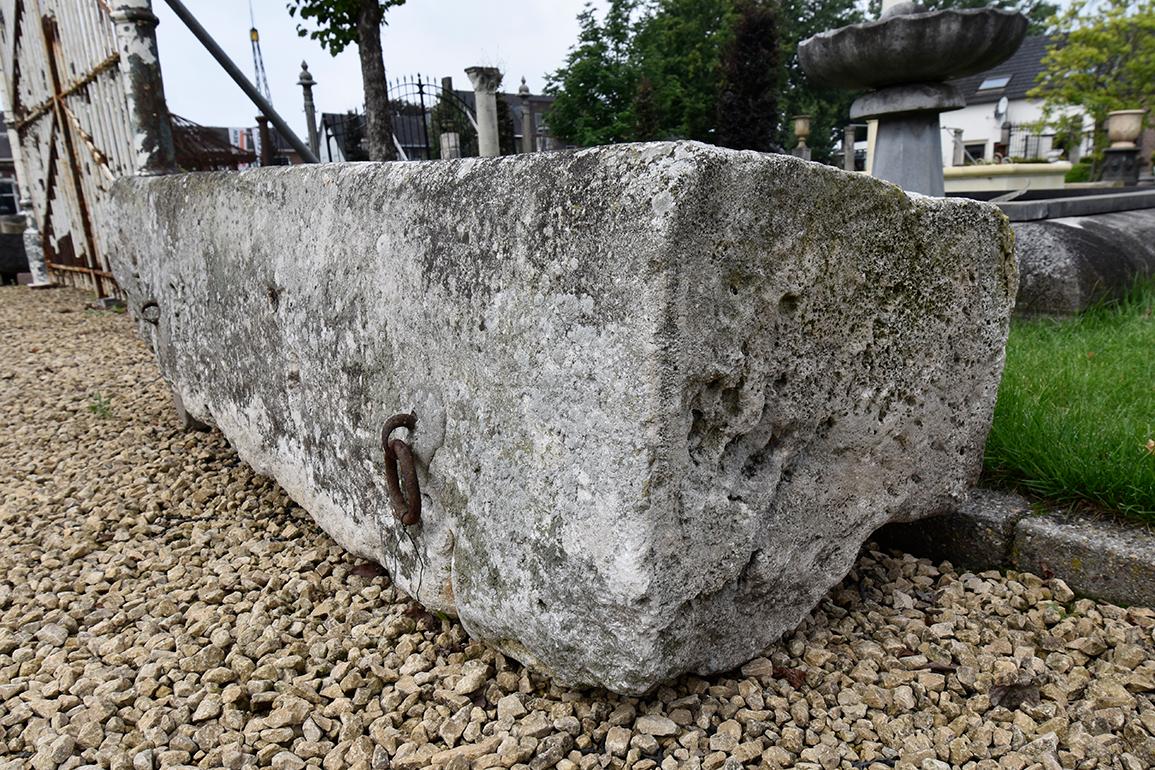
(908, 147)
(450, 145)
(909, 55)
(1121, 164)
(34, 249)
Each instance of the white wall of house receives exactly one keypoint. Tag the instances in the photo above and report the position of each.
(980, 126)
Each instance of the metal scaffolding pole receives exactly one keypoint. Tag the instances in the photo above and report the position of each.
(239, 78)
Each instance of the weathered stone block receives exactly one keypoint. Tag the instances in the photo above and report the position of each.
(663, 392)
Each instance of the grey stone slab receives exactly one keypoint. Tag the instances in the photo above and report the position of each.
(1068, 264)
(1100, 558)
(977, 535)
(663, 392)
(1077, 206)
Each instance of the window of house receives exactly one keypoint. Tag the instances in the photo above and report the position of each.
(8, 203)
(975, 151)
(996, 81)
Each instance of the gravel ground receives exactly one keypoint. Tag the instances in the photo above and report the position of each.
(162, 606)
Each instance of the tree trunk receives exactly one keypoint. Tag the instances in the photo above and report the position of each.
(378, 124)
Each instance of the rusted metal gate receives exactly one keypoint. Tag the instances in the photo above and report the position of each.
(73, 114)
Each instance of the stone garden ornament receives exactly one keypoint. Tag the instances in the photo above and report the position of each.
(905, 58)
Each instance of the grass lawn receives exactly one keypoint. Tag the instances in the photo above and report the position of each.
(1075, 420)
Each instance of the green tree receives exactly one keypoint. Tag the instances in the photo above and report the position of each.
(1102, 58)
(647, 121)
(679, 47)
(506, 131)
(339, 23)
(828, 108)
(594, 90)
(748, 102)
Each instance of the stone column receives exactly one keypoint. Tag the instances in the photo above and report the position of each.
(848, 138)
(34, 248)
(306, 82)
(143, 85)
(528, 139)
(485, 83)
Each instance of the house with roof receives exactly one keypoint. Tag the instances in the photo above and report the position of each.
(999, 120)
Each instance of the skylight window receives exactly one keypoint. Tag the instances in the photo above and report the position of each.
(998, 81)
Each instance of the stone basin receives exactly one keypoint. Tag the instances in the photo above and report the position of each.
(662, 392)
(927, 46)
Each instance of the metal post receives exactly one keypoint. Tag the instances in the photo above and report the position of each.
(528, 140)
(306, 82)
(144, 86)
(266, 140)
(485, 82)
(239, 78)
(424, 118)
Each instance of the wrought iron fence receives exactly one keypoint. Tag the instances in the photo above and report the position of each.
(1027, 141)
(422, 110)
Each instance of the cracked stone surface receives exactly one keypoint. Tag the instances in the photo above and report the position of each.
(663, 392)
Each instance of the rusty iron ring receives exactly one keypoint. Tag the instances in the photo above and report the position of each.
(399, 462)
(146, 316)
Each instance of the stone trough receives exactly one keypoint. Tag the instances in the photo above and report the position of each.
(661, 393)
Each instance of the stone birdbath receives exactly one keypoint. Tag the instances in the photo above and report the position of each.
(905, 58)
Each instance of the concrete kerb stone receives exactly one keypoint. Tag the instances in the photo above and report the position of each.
(1101, 558)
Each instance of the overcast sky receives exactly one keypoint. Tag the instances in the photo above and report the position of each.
(429, 37)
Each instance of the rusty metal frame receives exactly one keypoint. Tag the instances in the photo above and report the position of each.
(54, 55)
(63, 57)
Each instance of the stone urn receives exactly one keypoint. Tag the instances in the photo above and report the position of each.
(1124, 127)
(905, 58)
(802, 133)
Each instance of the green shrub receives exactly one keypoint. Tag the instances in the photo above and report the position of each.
(1080, 172)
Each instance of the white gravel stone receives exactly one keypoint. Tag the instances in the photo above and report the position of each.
(188, 541)
(655, 725)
